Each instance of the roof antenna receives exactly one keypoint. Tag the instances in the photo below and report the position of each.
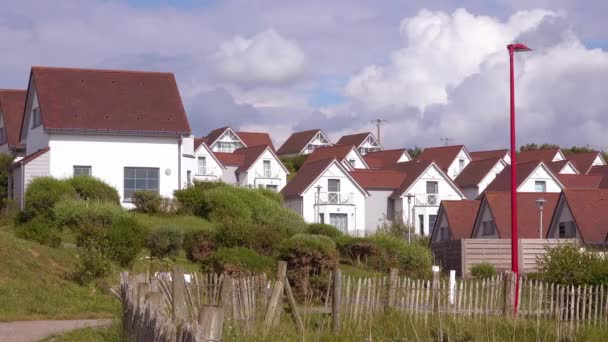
(446, 141)
(378, 123)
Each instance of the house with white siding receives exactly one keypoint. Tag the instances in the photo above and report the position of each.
(455, 220)
(348, 155)
(532, 176)
(199, 162)
(12, 102)
(124, 127)
(325, 192)
(226, 140)
(451, 159)
(584, 161)
(477, 175)
(254, 167)
(303, 143)
(364, 142)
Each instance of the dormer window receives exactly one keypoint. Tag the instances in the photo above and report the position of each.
(36, 117)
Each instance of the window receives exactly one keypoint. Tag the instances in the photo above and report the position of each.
(421, 220)
(36, 118)
(272, 187)
(321, 218)
(80, 170)
(140, 178)
(460, 164)
(432, 219)
(567, 230)
(340, 221)
(432, 189)
(333, 189)
(267, 168)
(443, 234)
(540, 186)
(188, 178)
(352, 162)
(202, 166)
(2, 136)
(487, 228)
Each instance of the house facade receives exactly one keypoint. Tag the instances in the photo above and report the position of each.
(451, 159)
(253, 167)
(582, 215)
(12, 102)
(455, 220)
(303, 143)
(199, 162)
(531, 177)
(477, 175)
(348, 155)
(364, 142)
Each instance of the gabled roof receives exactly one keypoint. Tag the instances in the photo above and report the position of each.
(384, 159)
(25, 160)
(229, 159)
(604, 183)
(476, 171)
(502, 182)
(330, 152)
(558, 166)
(490, 154)
(353, 139)
(599, 170)
(460, 216)
(251, 139)
(588, 208)
(583, 161)
(215, 134)
(12, 106)
(528, 213)
(414, 169)
(252, 154)
(580, 181)
(544, 155)
(198, 142)
(443, 156)
(109, 100)
(297, 141)
(379, 179)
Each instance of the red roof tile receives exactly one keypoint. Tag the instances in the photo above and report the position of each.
(297, 142)
(215, 134)
(502, 182)
(475, 172)
(413, 169)
(353, 139)
(250, 155)
(461, 217)
(599, 170)
(379, 179)
(443, 156)
(582, 161)
(12, 103)
(255, 139)
(588, 207)
(383, 159)
(198, 142)
(109, 100)
(544, 155)
(306, 175)
(230, 158)
(491, 154)
(528, 217)
(604, 183)
(580, 181)
(557, 166)
(330, 152)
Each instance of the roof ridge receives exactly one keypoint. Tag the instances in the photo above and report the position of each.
(103, 70)
(13, 90)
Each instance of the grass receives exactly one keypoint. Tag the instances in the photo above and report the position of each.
(112, 333)
(183, 223)
(355, 271)
(34, 284)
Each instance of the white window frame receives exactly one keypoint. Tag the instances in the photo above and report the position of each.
(201, 169)
(137, 178)
(82, 167)
(36, 117)
(267, 168)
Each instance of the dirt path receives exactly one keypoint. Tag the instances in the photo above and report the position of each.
(31, 331)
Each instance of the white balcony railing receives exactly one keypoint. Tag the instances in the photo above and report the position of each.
(426, 200)
(267, 174)
(334, 198)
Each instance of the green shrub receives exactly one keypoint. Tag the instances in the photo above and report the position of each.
(40, 230)
(413, 260)
(91, 265)
(238, 262)
(483, 270)
(271, 194)
(78, 214)
(199, 244)
(357, 249)
(323, 229)
(165, 243)
(6, 160)
(568, 265)
(91, 188)
(226, 206)
(261, 238)
(43, 192)
(149, 202)
(309, 259)
(191, 199)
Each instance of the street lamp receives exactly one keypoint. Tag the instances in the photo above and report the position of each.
(541, 202)
(409, 218)
(513, 48)
(317, 219)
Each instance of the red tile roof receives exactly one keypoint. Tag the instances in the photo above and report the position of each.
(557, 166)
(582, 161)
(580, 181)
(544, 155)
(330, 152)
(255, 139)
(215, 134)
(383, 159)
(604, 183)
(353, 139)
(379, 179)
(297, 142)
(461, 217)
(230, 159)
(528, 217)
(413, 169)
(12, 103)
(491, 154)
(443, 156)
(502, 182)
(475, 172)
(109, 100)
(588, 207)
(306, 175)
(250, 155)
(599, 170)
(198, 142)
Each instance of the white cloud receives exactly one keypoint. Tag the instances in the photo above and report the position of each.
(266, 58)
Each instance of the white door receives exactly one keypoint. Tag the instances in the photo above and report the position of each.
(340, 221)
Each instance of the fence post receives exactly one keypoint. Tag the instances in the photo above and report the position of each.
(273, 313)
(435, 288)
(509, 304)
(226, 295)
(336, 301)
(392, 288)
(452, 290)
(178, 285)
(211, 320)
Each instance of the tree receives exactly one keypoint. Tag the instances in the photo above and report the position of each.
(5, 162)
(533, 147)
(414, 152)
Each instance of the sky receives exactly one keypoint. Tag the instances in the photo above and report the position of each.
(431, 69)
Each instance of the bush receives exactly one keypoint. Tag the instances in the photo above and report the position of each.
(43, 193)
(199, 244)
(91, 265)
(91, 188)
(6, 160)
(78, 214)
(568, 265)
(412, 260)
(226, 206)
(309, 259)
(271, 194)
(191, 199)
(165, 243)
(357, 249)
(148, 202)
(40, 230)
(483, 270)
(238, 262)
(324, 229)
(261, 238)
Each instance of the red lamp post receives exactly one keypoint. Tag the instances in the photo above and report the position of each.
(514, 238)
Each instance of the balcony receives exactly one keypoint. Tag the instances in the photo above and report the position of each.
(426, 200)
(334, 198)
(267, 174)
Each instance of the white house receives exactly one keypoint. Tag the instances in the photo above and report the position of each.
(387, 158)
(563, 167)
(455, 220)
(586, 160)
(226, 140)
(199, 162)
(531, 177)
(364, 142)
(123, 127)
(325, 192)
(305, 142)
(256, 167)
(418, 198)
(477, 175)
(11, 116)
(348, 155)
(451, 159)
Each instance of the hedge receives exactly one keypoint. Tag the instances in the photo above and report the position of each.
(165, 243)
(238, 262)
(199, 244)
(43, 193)
(92, 188)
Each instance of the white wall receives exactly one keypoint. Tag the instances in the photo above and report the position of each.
(489, 178)
(539, 174)
(454, 168)
(294, 204)
(190, 163)
(109, 155)
(376, 207)
(37, 138)
(229, 175)
(597, 161)
(254, 177)
(4, 147)
(568, 170)
(485, 215)
(16, 179)
(358, 162)
(404, 158)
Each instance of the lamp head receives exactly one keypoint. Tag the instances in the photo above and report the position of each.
(540, 202)
(518, 47)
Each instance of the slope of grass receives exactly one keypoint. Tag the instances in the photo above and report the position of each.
(34, 284)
